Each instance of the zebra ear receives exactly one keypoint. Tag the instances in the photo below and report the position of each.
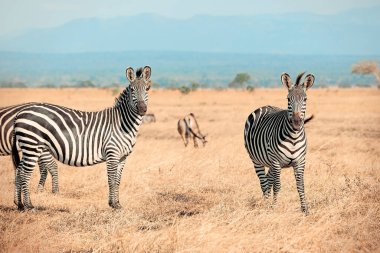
(146, 73)
(130, 73)
(309, 81)
(286, 80)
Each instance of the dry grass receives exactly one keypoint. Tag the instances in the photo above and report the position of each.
(179, 199)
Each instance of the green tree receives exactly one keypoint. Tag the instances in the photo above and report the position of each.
(240, 80)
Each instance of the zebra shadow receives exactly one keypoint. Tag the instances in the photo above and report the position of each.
(36, 209)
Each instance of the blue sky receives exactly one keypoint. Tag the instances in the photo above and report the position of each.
(17, 16)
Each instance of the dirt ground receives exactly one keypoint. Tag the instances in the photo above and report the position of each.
(179, 199)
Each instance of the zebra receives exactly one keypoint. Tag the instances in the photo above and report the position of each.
(188, 127)
(79, 138)
(46, 162)
(276, 138)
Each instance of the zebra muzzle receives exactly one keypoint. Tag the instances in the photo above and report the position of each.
(296, 121)
(141, 108)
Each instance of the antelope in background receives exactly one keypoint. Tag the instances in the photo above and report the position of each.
(188, 127)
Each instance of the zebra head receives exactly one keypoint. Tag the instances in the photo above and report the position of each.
(297, 98)
(139, 85)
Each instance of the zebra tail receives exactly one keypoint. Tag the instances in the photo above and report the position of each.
(15, 154)
(308, 119)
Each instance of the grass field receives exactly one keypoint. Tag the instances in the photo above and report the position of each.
(179, 199)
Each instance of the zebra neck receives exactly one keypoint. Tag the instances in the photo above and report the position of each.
(290, 131)
(126, 118)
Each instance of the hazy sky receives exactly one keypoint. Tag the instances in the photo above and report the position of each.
(17, 15)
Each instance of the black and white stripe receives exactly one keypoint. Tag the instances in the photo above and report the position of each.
(276, 138)
(80, 138)
(46, 161)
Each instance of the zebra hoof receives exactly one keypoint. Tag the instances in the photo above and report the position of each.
(20, 207)
(55, 192)
(29, 207)
(116, 205)
(305, 211)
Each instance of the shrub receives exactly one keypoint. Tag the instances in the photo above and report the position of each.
(250, 88)
(184, 89)
(194, 86)
(85, 84)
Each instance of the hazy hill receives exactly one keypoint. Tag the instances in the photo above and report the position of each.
(352, 32)
(176, 68)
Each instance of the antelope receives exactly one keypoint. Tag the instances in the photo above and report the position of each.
(188, 127)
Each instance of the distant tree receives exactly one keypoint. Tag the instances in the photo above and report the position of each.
(86, 83)
(184, 89)
(367, 68)
(240, 80)
(250, 88)
(194, 86)
(13, 84)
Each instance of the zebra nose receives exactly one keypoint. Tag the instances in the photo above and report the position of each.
(296, 119)
(141, 108)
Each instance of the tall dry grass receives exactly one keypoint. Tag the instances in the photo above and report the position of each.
(179, 199)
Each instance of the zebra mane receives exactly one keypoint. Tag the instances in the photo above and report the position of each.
(123, 96)
(139, 72)
(299, 77)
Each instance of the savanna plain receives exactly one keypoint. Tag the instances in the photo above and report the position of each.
(178, 199)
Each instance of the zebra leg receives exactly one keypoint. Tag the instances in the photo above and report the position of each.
(270, 179)
(119, 172)
(276, 171)
(53, 169)
(47, 163)
(25, 170)
(112, 167)
(298, 173)
(43, 175)
(17, 193)
(260, 172)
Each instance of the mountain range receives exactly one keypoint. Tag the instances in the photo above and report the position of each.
(352, 32)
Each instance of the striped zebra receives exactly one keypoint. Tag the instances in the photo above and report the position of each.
(80, 138)
(45, 162)
(276, 138)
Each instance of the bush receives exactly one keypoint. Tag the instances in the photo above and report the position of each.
(194, 86)
(184, 89)
(85, 84)
(250, 88)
